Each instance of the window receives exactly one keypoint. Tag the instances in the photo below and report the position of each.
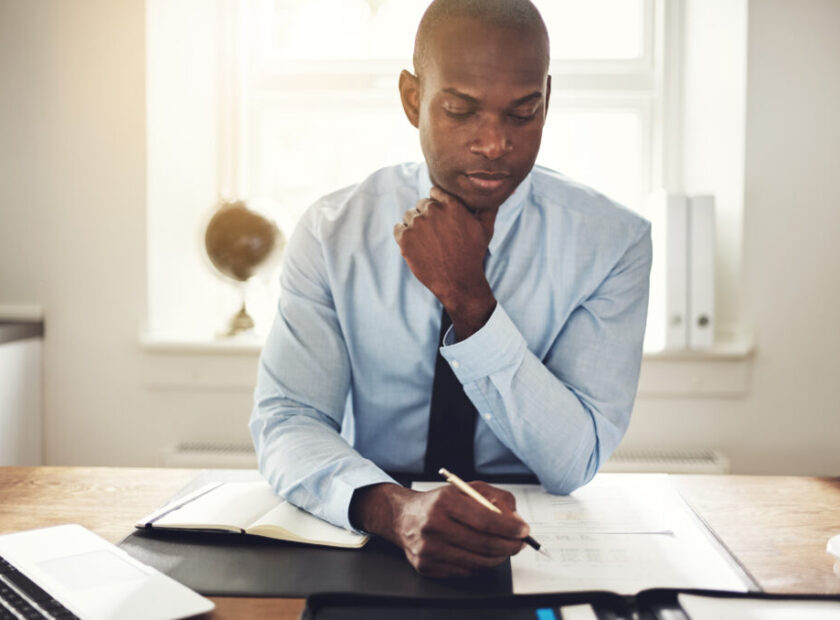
(320, 109)
(305, 101)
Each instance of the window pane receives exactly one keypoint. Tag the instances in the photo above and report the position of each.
(595, 29)
(384, 29)
(304, 148)
(339, 29)
(599, 147)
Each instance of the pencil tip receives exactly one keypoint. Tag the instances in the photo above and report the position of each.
(545, 552)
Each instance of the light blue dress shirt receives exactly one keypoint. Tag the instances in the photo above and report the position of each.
(345, 378)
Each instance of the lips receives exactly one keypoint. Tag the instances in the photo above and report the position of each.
(487, 182)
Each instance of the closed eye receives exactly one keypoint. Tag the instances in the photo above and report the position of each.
(523, 117)
(459, 115)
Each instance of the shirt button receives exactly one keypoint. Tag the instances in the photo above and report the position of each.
(455, 364)
(487, 416)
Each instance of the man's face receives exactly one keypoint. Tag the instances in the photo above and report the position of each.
(482, 101)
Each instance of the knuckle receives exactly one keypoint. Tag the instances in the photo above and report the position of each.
(441, 501)
(424, 567)
(427, 553)
(426, 528)
(486, 561)
(508, 499)
(422, 549)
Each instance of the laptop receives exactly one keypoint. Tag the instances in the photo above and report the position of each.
(67, 571)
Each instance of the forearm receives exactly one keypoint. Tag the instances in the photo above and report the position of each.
(561, 432)
(308, 463)
(545, 424)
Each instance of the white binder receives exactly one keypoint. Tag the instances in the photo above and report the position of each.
(701, 261)
(668, 308)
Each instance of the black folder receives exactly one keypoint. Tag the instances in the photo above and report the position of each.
(654, 604)
(235, 565)
(216, 564)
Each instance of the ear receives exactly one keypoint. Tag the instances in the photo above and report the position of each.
(410, 96)
(547, 92)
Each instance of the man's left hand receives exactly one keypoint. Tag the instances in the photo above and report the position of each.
(444, 245)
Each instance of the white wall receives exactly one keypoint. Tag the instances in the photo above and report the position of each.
(790, 289)
(72, 233)
(72, 238)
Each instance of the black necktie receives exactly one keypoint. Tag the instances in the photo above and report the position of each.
(452, 420)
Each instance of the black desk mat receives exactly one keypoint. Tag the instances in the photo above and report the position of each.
(237, 565)
(219, 564)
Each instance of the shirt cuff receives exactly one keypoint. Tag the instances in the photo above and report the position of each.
(338, 507)
(497, 345)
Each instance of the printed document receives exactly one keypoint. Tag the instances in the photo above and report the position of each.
(620, 532)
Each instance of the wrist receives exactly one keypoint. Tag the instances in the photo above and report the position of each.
(374, 508)
(469, 310)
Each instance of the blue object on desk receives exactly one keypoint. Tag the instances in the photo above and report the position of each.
(546, 614)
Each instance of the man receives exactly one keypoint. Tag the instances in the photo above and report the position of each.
(544, 280)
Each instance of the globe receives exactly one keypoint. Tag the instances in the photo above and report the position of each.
(239, 242)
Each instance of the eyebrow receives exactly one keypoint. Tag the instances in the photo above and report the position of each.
(472, 100)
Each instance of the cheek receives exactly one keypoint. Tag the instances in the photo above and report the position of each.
(441, 143)
(528, 144)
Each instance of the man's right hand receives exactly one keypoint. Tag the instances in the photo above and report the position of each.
(443, 532)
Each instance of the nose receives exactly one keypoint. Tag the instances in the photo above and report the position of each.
(491, 140)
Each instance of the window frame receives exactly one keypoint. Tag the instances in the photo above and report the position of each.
(644, 85)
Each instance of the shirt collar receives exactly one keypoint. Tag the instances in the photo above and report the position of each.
(508, 211)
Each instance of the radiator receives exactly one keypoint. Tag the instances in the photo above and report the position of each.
(241, 456)
(695, 461)
(211, 455)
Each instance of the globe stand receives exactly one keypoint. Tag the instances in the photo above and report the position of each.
(241, 322)
(238, 241)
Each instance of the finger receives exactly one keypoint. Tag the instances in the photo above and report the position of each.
(434, 551)
(442, 526)
(482, 543)
(423, 205)
(466, 510)
(432, 568)
(498, 497)
(409, 217)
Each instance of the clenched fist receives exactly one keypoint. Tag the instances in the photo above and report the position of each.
(442, 532)
(444, 244)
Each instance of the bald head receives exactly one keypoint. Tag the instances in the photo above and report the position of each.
(519, 15)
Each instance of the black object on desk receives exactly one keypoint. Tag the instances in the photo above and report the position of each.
(218, 565)
(214, 564)
(653, 604)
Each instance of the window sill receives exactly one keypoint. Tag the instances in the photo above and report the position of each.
(168, 345)
(228, 364)
(722, 371)
(729, 347)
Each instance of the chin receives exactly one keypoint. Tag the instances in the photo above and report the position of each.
(486, 201)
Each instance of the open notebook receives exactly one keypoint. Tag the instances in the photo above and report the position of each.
(248, 508)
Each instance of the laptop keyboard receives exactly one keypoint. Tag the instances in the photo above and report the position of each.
(20, 597)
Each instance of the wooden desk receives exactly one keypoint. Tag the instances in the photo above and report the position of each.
(777, 525)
